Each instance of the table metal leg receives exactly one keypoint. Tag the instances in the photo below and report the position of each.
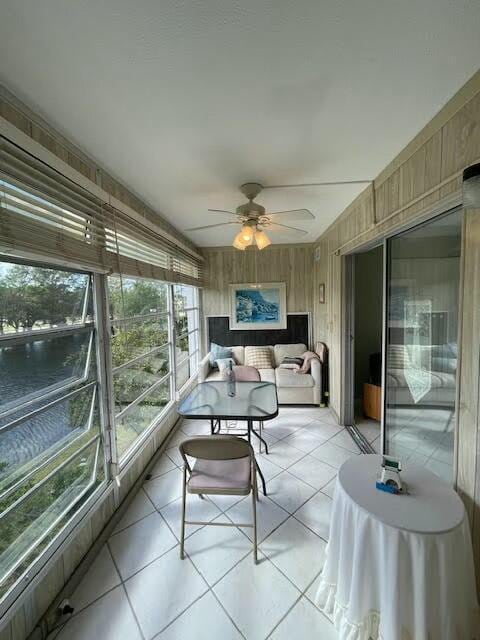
(259, 471)
(264, 486)
(250, 428)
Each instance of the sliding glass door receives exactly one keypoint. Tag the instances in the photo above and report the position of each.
(423, 273)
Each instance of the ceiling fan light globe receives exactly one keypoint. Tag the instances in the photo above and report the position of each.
(246, 234)
(238, 242)
(262, 239)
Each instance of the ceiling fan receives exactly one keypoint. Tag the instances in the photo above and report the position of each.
(254, 220)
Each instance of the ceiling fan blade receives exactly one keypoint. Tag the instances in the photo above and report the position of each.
(230, 213)
(210, 226)
(275, 226)
(295, 214)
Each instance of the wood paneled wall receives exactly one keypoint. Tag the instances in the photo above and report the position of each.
(292, 264)
(424, 179)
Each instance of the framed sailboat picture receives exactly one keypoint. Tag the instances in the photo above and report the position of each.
(258, 306)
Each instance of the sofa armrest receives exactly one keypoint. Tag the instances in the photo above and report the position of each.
(204, 368)
(316, 372)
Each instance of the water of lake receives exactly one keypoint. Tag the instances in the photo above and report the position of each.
(27, 369)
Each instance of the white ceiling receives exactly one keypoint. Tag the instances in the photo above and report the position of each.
(185, 100)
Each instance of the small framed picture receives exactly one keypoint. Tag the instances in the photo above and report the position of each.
(321, 293)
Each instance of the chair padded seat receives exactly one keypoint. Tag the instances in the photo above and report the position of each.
(220, 476)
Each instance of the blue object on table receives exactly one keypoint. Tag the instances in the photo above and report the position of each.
(388, 488)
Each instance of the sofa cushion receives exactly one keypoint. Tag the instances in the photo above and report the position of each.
(238, 354)
(218, 352)
(282, 351)
(258, 357)
(288, 378)
(267, 375)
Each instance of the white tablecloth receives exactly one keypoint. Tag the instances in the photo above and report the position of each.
(398, 567)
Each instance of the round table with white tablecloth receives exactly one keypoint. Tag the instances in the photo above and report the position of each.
(398, 567)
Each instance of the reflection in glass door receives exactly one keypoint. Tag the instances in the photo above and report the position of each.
(423, 273)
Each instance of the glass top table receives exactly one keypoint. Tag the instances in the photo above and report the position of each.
(253, 401)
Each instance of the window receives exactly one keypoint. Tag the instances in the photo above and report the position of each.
(141, 361)
(51, 456)
(187, 333)
(55, 407)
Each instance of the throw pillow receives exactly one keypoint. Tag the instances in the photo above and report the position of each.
(291, 363)
(224, 363)
(397, 357)
(217, 352)
(258, 357)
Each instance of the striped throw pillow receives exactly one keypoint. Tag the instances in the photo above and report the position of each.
(258, 357)
(397, 357)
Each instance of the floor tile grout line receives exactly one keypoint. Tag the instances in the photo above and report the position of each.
(264, 559)
(133, 611)
(324, 442)
(311, 485)
(259, 542)
(155, 509)
(212, 591)
(115, 533)
(187, 557)
(303, 503)
(177, 544)
(284, 616)
(209, 589)
(278, 568)
(309, 528)
(122, 583)
(95, 600)
(302, 595)
(77, 612)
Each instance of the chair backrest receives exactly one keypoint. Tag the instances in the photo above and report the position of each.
(216, 448)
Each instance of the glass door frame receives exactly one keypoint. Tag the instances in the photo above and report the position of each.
(386, 273)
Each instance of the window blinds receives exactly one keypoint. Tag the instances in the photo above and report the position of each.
(45, 215)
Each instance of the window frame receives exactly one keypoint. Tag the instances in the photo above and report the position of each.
(123, 459)
(102, 397)
(66, 390)
(194, 355)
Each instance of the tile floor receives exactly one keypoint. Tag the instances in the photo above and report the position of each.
(138, 588)
(423, 436)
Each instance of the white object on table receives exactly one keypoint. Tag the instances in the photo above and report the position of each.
(398, 567)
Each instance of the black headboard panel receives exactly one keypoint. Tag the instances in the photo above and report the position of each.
(297, 331)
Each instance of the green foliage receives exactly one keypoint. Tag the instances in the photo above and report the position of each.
(26, 523)
(135, 339)
(32, 295)
(136, 297)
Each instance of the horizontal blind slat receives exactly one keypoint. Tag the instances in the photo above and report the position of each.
(46, 213)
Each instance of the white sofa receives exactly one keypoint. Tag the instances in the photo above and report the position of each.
(292, 388)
